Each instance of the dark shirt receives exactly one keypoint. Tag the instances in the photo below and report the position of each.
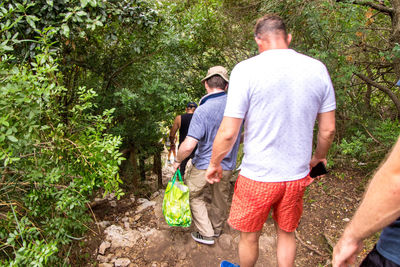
(183, 130)
(389, 242)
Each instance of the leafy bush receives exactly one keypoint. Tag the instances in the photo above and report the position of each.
(53, 155)
(356, 146)
(367, 148)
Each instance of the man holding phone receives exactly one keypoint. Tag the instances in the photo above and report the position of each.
(278, 94)
(318, 170)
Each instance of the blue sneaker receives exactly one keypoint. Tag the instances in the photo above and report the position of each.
(228, 264)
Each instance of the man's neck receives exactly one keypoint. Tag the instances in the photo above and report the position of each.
(214, 90)
(273, 42)
(271, 46)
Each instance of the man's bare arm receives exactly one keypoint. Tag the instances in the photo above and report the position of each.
(185, 149)
(326, 133)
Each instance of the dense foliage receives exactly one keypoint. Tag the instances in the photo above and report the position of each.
(85, 82)
(52, 156)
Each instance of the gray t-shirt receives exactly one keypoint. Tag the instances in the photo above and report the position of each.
(204, 127)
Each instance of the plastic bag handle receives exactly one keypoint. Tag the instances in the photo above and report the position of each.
(174, 178)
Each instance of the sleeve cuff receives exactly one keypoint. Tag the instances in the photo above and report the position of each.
(194, 137)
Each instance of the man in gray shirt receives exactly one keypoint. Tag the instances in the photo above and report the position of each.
(202, 130)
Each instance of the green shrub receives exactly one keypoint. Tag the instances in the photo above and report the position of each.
(53, 155)
(366, 148)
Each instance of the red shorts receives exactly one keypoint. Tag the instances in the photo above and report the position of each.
(253, 200)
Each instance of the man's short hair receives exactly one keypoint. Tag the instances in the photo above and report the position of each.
(216, 81)
(270, 24)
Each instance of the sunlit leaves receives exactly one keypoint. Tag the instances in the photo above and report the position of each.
(52, 155)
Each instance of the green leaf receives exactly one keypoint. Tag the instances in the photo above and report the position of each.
(68, 16)
(6, 48)
(20, 7)
(81, 13)
(31, 21)
(65, 30)
(84, 3)
(12, 138)
(93, 3)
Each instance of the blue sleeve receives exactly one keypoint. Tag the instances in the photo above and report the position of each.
(197, 128)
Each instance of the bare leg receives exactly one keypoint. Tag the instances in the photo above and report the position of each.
(169, 154)
(286, 247)
(248, 248)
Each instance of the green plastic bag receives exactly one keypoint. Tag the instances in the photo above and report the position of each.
(176, 207)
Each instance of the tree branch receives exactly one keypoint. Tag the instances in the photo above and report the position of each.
(378, 7)
(384, 89)
(127, 64)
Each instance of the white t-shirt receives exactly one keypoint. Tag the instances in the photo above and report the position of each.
(278, 94)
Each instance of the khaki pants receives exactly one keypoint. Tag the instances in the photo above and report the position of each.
(206, 223)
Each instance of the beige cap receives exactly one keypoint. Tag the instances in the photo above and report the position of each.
(217, 70)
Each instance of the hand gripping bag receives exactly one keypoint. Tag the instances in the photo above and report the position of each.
(176, 207)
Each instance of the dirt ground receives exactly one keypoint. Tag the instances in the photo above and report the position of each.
(328, 205)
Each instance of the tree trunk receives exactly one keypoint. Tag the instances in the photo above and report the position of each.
(142, 167)
(133, 161)
(157, 168)
(367, 96)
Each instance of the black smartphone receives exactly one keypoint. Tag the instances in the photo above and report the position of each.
(318, 170)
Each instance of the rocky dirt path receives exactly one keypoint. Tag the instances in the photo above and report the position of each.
(139, 236)
(132, 231)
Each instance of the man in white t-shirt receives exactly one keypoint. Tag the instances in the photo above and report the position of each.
(279, 95)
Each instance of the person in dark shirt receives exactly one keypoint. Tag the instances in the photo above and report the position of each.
(182, 123)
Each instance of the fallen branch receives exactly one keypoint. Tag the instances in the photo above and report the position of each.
(330, 243)
(7, 204)
(94, 204)
(373, 138)
(94, 217)
(308, 246)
